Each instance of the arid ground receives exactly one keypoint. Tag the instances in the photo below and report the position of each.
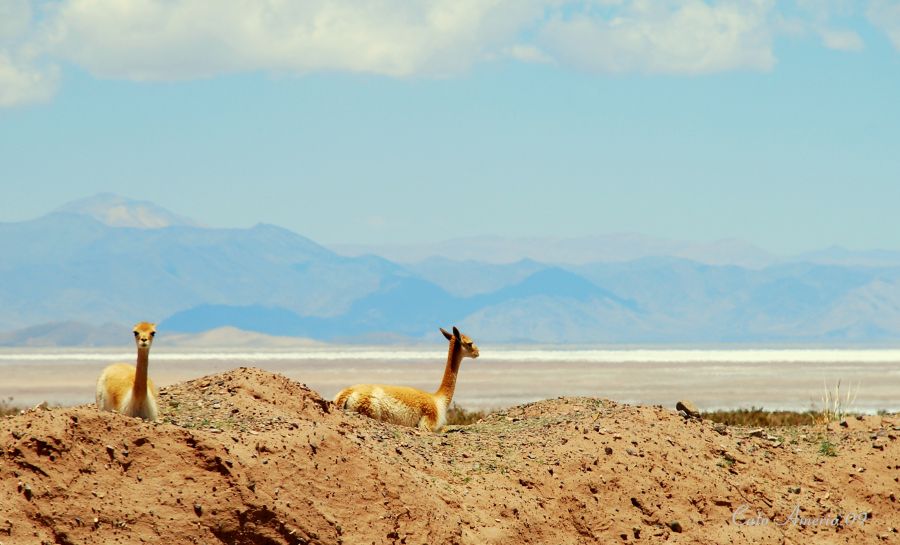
(249, 456)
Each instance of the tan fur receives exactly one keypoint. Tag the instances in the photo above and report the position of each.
(408, 406)
(127, 389)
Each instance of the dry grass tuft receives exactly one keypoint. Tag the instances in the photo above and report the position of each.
(836, 405)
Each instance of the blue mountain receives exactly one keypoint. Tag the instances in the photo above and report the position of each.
(77, 272)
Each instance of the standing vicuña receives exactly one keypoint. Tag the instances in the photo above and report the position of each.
(125, 389)
(408, 406)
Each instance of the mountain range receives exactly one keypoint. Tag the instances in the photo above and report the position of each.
(83, 273)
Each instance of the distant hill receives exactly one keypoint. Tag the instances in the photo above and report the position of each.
(231, 337)
(70, 333)
(113, 261)
(116, 211)
(620, 247)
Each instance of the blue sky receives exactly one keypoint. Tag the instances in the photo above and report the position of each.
(379, 122)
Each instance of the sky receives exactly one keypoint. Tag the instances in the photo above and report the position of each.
(391, 121)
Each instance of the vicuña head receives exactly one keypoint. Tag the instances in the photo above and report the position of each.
(127, 389)
(408, 406)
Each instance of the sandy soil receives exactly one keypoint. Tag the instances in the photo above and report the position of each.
(249, 456)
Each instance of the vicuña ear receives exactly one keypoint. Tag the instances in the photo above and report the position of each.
(449, 336)
(456, 333)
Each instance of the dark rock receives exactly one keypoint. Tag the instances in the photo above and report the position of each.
(688, 407)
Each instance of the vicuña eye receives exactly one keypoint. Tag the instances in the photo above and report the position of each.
(135, 333)
(153, 333)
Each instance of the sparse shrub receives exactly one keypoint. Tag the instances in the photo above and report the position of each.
(758, 417)
(457, 416)
(7, 407)
(827, 448)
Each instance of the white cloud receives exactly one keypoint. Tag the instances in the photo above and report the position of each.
(817, 18)
(22, 81)
(885, 15)
(152, 40)
(183, 39)
(527, 53)
(15, 20)
(24, 84)
(688, 36)
(842, 40)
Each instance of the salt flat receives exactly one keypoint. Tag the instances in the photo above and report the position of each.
(774, 379)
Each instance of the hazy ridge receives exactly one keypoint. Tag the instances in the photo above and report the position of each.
(78, 276)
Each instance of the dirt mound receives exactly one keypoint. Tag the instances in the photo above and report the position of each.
(252, 457)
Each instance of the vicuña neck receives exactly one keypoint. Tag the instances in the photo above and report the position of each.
(140, 376)
(448, 384)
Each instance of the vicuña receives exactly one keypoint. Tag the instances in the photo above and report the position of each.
(408, 406)
(127, 389)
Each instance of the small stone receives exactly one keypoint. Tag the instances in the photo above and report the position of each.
(758, 432)
(844, 424)
(608, 451)
(721, 428)
(794, 489)
(675, 526)
(198, 509)
(688, 407)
